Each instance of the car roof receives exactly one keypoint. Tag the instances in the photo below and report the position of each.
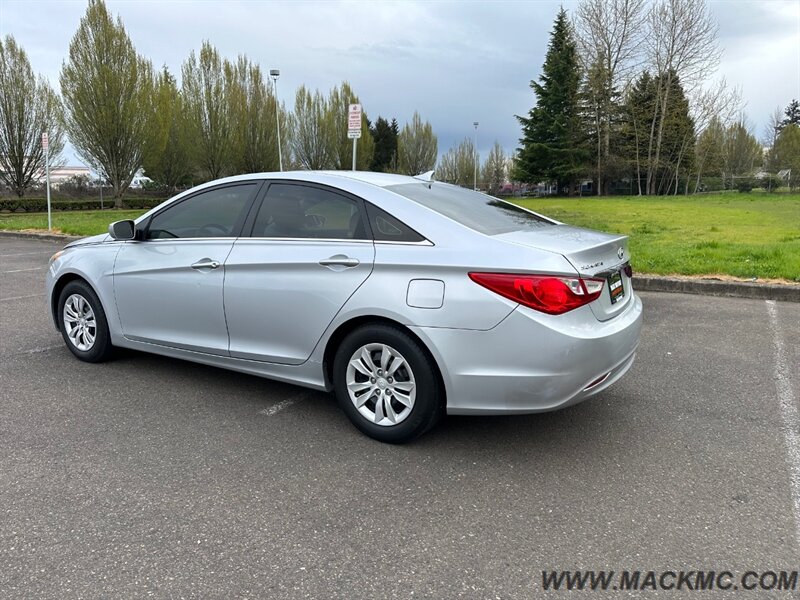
(330, 177)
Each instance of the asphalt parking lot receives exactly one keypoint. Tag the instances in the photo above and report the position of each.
(148, 476)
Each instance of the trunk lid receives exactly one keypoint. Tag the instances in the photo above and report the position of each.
(592, 253)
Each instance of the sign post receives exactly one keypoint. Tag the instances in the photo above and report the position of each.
(46, 147)
(354, 127)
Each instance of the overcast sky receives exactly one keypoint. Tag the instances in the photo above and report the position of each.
(454, 62)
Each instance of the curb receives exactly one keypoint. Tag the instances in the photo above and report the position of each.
(47, 237)
(642, 283)
(710, 287)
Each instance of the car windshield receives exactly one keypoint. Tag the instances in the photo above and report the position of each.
(477, 211)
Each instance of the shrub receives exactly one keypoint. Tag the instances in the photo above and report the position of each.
(712, 184)
(771, 183)
(40, 204)
(745, 185)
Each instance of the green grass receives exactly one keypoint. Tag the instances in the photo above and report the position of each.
(741, 235)
(88, 222)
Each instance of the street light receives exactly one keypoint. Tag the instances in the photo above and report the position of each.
(275, 73)
(475, 174)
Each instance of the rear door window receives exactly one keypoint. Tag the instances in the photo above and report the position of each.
(301, 211)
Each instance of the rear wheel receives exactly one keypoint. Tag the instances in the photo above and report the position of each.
(387, 384)
(83, 324)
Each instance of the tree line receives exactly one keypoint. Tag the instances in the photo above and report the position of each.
(623, 99)
(121, 115)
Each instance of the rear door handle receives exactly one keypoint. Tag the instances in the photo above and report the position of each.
(205, 263)
(339, 260)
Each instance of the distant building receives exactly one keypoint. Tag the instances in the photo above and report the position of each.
(59, 175)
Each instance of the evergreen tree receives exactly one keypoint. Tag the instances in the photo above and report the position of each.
(553, 143)
(677, 154)
(792, 113)
(385, 137)
(639, 106)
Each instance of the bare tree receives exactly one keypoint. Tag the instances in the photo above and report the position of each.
(206, 83)
(742, 153)
(107, 89)
(681, 43)
(28, 108)
(254, 132)
(341, 147)
(310, 143)
(717, 105)
(167, 156)
(417, 147)
(458, 164)
(610, 35)
(769, 137)
(495, 169)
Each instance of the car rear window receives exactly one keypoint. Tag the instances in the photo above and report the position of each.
(477, 211)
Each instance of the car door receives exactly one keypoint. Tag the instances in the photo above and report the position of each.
(308, 251)
(168, 286)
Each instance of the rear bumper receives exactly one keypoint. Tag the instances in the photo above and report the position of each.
(532, 362)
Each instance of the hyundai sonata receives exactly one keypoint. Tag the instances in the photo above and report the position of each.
(406, 297)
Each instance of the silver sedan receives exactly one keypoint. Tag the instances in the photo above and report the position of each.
(406, 297)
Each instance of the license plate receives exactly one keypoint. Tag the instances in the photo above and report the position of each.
(615, 287)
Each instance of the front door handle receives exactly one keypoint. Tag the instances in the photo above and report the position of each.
(339, 260)
(205, 263)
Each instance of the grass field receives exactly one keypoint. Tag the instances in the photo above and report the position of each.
(88, 222)
(741, 235)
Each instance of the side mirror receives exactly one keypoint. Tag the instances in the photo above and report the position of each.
(122, 230)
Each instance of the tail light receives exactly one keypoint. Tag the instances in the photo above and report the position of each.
(628, 270)
(545, 293)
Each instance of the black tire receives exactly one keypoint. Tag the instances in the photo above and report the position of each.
(101, 348)
(429, 404)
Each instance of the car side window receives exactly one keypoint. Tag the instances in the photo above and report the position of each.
(209, 214)
(300, 211)
(386, 228)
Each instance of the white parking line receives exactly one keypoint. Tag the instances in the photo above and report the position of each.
(21, 270)
(21, 297)
(789, 412)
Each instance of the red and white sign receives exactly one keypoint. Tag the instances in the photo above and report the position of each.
(45, 141)
(354, 121)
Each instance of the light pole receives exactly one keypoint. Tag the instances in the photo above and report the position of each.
(275, 73)
(475, 174)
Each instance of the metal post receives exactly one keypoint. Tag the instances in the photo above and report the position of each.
(354, 154)
(275, 73)
(475, 174)
(47, 175)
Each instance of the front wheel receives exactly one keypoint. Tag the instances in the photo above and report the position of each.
(387, 384)
(83, 324)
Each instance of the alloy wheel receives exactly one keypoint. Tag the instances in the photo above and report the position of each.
(79, 322)
(381, 384)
